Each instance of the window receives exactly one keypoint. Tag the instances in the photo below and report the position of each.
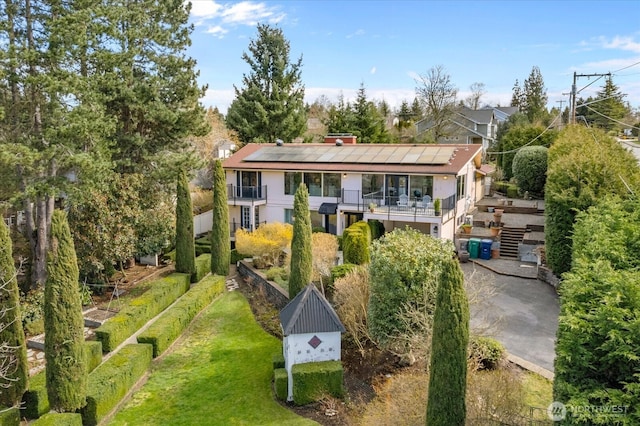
(461, 183)
(314, 183)
(291, 182)
(317, 219)
(249, 184)
(420, 186)
(288, 216)
(372, 184)
(331, 184)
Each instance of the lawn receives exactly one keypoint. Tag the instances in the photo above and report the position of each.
(218, 374)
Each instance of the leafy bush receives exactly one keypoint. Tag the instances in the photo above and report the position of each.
(351, 298)
(516, 137)
(32, 312)
(93, 354)
(324, 252)
(203, 267)
(268, 241)
(314, 380)
(340, 271)
(486, 353)
(281, 383)
(236, 256)
(356, 240)
(9, 416)
(377, 229)
(111, 381)
(530, 168)
(162, 293)
(59, 419)
(162, 333)
(277, 273)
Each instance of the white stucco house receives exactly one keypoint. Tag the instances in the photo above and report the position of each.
(344, 178)
(311, 331)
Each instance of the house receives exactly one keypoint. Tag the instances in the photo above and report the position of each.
(469, 126)
(348, 182)
(311, 331)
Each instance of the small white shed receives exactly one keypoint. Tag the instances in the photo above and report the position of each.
(311, 330)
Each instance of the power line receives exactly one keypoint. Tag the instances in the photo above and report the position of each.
(531, 141)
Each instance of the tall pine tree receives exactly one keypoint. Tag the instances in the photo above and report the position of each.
(535, 97)
(220, 242)
(270, 106)
(185, 244)
(63, 322)
(448, 366)
(301, 262)
(14, 369)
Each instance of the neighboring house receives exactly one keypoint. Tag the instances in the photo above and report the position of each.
(311, 331)
(400, 182)
(469, 126)
(226, 148)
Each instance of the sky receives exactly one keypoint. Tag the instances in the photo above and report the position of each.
(388, 45)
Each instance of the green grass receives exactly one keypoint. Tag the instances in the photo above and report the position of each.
(538, 394)
(220, 374)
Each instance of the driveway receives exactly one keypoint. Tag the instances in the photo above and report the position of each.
(524, 313)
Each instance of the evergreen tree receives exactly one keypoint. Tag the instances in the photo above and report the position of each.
(416, 110)
(535, 97)
(220, 242)
(270, 106)
(340, 117)
(63, 322)
(448, 367)
(14, 369)
(517, 97)
(185, 244)
(405, 115)
(607, 107)
(301, 262)
(368, 123)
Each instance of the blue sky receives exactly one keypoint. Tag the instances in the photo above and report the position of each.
(387, 44)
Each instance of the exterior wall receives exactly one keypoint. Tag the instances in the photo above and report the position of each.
(297, 350)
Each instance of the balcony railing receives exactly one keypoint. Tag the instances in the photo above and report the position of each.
(390, 205)
(246, 192)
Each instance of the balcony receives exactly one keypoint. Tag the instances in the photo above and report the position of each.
(388, 207)
(246, 195)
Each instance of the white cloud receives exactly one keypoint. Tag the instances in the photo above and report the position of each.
(205, 8)
(220, 17)
(373, 70)
(607, 65)
(621, 43)
(217, 31)
(359, 32)
(250, 13)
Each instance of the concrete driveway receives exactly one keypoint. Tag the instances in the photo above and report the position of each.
(524, 313)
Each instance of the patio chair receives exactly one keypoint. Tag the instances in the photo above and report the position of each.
(403, 201)
(426, 201)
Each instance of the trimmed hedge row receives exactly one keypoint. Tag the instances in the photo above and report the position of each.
(130, 319)
(111, 381)
(203, 267)
(35, 401)
(172, 323)
(10, 417)
(314, 380)
(280, 383)
(59, 419)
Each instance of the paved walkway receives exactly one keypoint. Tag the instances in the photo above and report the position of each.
(523, 310)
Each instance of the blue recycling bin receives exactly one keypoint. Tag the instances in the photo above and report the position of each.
(485, 249)
(474, 248)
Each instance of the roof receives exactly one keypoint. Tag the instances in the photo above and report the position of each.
(309, 312)
(486, 169)
(364, 158)
(479, 116)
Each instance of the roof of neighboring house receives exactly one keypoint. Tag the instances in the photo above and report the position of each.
(479, 116)
(365, 158)
(309, 312)
(486, 169)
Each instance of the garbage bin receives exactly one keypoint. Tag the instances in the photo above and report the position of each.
(463, 244)
(474, 248)
(485, 249)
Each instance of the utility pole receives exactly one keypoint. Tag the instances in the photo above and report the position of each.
(561, 101)
(574, 91)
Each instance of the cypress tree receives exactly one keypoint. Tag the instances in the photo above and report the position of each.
(301, 262)
(13, 381)
(63, 322)
(185, 245)
(448, 367)
(220, 242)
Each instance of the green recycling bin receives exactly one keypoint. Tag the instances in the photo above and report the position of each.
(474, 248)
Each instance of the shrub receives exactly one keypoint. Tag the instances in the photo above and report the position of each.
(314, 380)
(281, 383)
(278, 361)
(530, 168)
(162, 293)
(203, 267)
(111, 381)
(93, 354)
(278, 273)
(377, 229)
(9, 416)
(237, 256)
(163, 332)
(340, 271)
(324, 252)
(59, 419)
(268, 241)
(220, 238)
(355, 243)
(32, 312)
(485, 353)
(351, 297)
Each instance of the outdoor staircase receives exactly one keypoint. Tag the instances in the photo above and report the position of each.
(509, 240)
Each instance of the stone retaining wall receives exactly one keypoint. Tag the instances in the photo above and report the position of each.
(272, 291)
(546, 275)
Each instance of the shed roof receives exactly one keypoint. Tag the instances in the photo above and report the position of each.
(309, 312)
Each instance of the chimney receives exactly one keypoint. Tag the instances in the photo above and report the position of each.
(345, 138)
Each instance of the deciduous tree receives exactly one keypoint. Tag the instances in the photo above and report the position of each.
(270, 105)
(63, 322)
(437, 94)
(220, 239)
(301, 260)
(448, 367)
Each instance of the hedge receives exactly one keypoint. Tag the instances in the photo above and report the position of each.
(356, 240)
(280, 383)
(10, 417)
(172, 323)
(131, 318)
(35, 401)
(314, 380)
(59, 419)
(203, 267)
(278, 361)
(113, 379)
